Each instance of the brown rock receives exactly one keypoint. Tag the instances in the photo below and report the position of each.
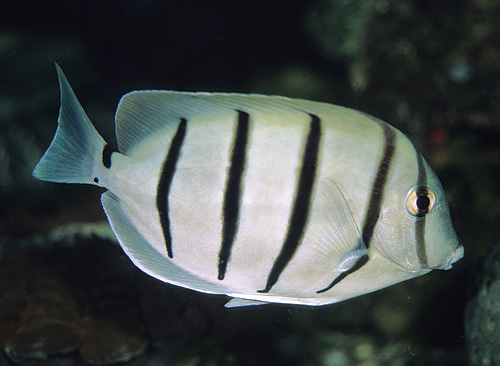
(104, 343)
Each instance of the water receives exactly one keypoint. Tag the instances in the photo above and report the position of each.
(70, 295)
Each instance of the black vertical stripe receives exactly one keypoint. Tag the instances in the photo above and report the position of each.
(420, 220)
(232, 194)
(420, 241)
(106, 156)
(378, 186)
(375, 203)
(165, 182)
(301, 204)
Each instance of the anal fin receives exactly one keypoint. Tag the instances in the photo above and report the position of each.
(145, 256)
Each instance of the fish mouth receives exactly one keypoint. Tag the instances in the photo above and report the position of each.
(452, 259)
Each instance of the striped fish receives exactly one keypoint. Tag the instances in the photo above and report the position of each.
(264, 199)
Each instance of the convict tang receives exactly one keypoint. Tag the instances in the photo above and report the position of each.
(262, 198)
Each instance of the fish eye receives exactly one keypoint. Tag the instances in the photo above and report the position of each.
(420, 201)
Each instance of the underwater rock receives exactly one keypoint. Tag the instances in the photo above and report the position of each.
(14, 294)
(14, 299)
(40, 340)
(482, 315)
(106, 343)
(62, 303)
(50, 323)
(112, 328)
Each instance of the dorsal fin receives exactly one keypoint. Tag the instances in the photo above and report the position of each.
(141, 114)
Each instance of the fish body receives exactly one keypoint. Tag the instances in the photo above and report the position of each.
(262, 198)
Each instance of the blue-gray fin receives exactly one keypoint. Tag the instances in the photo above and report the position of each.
(144, 256)
(238, 303)
(333, 231)
(76, 147)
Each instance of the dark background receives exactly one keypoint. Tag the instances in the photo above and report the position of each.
(432, 69)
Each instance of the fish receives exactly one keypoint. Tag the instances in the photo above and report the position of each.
(264, 199)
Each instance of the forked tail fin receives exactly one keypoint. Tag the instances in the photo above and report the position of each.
(76, 147)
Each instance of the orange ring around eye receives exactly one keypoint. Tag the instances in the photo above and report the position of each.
(420, 201)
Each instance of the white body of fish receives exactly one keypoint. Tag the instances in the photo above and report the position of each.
(264, 199)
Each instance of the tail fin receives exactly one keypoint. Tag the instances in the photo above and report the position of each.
(76, 147)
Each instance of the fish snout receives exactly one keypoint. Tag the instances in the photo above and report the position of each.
(453, 258)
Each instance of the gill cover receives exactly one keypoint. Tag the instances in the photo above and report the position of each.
(417, 234)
